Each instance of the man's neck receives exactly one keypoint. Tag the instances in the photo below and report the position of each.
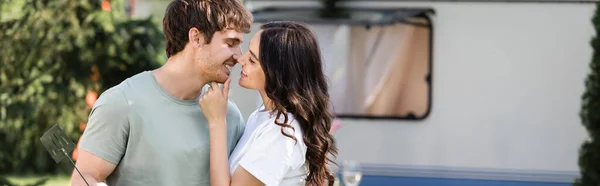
(178, 78)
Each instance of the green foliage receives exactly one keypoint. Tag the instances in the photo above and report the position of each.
(48, 51)
(5, 182)
(330, 9)
(589, 153)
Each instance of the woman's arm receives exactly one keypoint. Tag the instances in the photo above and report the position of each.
(214, 107)
(242, 177)
(219, 164)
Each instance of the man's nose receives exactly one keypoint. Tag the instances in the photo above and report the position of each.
(240, 61)
(238, 51)
(237, 58)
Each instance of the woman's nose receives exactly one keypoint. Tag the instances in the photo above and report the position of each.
(241, 60)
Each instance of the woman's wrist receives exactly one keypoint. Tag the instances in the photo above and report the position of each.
(217, 124)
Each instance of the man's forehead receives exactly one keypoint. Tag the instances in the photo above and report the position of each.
(231, 33)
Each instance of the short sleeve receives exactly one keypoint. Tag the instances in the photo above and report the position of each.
(107, 128)
(268, 157)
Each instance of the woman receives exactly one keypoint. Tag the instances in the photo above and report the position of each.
(286, 140)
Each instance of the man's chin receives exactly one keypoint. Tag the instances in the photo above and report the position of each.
(221, 80)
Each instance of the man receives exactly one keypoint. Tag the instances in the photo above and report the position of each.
(149, 130)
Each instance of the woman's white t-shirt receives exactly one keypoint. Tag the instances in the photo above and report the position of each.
(267, 154)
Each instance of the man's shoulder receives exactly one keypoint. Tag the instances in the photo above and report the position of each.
(118, 95)
(135, 82)
(112, 97)
(233, 109)
(232, 106)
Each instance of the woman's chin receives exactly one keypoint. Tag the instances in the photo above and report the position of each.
(243, 84)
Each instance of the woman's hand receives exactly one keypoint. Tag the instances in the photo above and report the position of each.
(214, 103)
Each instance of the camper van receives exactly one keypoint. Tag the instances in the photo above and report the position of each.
(447, 92)
(469, 93)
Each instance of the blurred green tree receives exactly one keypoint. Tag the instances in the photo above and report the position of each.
(589, 153)
(53, 52)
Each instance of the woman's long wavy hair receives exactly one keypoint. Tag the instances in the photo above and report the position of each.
(291, 60)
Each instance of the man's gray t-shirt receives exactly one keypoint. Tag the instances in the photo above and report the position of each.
(153, 137)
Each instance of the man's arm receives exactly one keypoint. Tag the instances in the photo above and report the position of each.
(104, 140)
(93, 168)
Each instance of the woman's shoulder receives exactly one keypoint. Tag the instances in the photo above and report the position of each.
(294, 148)
(292, 125)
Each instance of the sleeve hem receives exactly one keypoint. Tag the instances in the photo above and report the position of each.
(106, 156)
(257, 173)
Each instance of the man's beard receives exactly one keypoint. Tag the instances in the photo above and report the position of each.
(215, 74)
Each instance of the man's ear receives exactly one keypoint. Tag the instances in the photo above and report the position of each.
(196, 38)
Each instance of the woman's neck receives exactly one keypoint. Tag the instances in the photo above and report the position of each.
(266, 101)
